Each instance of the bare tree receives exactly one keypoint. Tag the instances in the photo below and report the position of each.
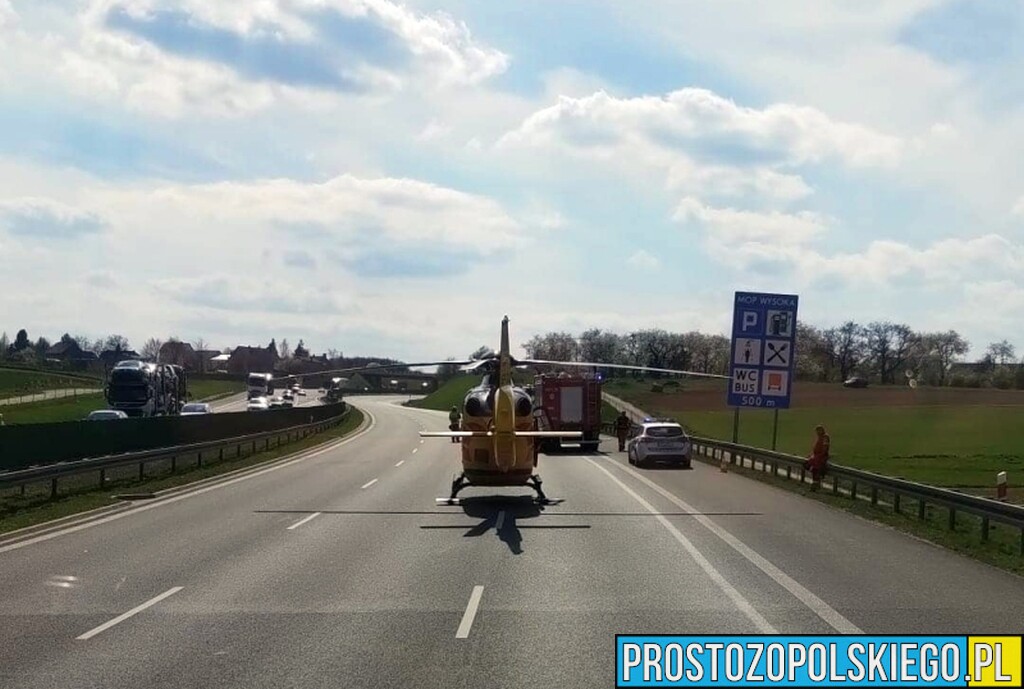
(851, 348)
(554, 345)
(813, 358)
(1001, 352)
(481, 352)
(116, 343)
(151, 349)
(284, 350)
(200, 346)
(602, 346)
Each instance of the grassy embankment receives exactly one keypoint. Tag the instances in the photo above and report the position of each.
(77, 408)
(449, 395)
(82, 493)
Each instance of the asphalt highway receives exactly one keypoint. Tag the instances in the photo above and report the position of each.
(339, 570)
(238, 402)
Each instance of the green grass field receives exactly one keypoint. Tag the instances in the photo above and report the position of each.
(448, 395)
(14, 382)
(944, 446)
(75, 409)
(51, 411)
(204, 389)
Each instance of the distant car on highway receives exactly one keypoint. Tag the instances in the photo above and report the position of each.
(106, 415)
(659, 442)
(300, 392)
(258, 404)
(196, 408)
(288, 395)
(855, 382)
(276, 402)
(287, 402)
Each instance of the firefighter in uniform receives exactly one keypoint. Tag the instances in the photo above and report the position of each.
(622, 425)
(454, 417)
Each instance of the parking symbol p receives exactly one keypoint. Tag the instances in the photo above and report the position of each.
(749, 321)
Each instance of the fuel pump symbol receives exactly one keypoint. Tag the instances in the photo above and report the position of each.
(779, 324)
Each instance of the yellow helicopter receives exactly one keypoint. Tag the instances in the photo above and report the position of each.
(499, 438)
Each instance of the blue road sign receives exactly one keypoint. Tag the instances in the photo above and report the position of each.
(763, 350)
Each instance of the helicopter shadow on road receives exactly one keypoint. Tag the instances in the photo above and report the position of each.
(503, 514)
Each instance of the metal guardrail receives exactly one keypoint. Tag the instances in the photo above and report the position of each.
(53, 472)
(849, 481)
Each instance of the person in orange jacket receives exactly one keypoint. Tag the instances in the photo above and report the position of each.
(818, 461)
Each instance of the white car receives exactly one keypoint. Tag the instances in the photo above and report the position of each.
(300, 392)
(258, 404)
(659, 442)
(196, 408)
(288, 395)
(106, 415)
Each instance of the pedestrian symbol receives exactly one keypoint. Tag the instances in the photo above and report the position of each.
(777, 353)
(747, 352)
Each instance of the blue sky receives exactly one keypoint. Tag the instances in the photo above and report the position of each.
(374, 176)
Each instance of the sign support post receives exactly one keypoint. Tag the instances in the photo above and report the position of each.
(736, 425)
(775, 428)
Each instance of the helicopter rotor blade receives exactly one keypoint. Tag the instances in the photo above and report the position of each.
(381, 367)
(628, 367)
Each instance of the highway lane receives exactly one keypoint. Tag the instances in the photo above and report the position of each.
(238, 402)
(339, 570)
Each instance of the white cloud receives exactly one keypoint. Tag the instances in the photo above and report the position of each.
(285, 294)
(689, 178)
(8, 17)
(692, 117)
(738, 226)
(945, 261)
(43, 219)
(1018, 208)
(434, 130)
(115, 62)
(341, 208)
(643, 260)
(445, 45)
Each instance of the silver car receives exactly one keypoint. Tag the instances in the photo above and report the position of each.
(106, 415)
(196, 408)
(258, 404)
(659, 442)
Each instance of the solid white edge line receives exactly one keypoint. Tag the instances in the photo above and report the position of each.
(819, 607)
(500, 521)
(369, 483)
(762, 625)
(470, 614)
(400, 463)
(200, 491)
(415, 449)
(131, 613)
(304, 520)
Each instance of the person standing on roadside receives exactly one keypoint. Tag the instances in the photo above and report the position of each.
(817, 463)
(454, 419)
(622, 424)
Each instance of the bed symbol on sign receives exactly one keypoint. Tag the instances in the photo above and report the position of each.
(774, 382)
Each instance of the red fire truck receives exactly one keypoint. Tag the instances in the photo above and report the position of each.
(568, 402)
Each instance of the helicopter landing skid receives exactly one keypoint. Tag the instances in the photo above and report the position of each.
(458, 484)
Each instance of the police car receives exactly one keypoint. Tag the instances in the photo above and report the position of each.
(659, 441)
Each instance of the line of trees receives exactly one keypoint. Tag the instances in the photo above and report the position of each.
(881, 351)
